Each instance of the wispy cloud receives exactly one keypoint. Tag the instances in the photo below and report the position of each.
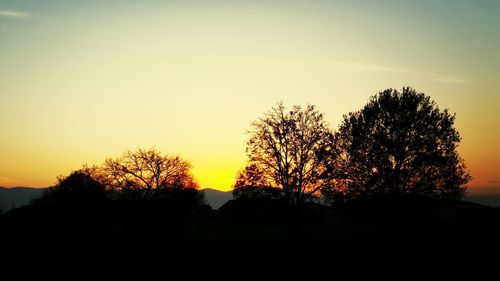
(352, 67)
(9, 181)
(13, 14)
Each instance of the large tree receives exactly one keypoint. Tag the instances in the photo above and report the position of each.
(289, 149)
(400, 143)
(146, 173)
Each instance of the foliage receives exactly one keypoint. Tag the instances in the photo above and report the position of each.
(400, 143)
(143, 174)
(251, 183)
(258, 192)
(289, 148)
(76, 189)
(139, 189)
(252, 175)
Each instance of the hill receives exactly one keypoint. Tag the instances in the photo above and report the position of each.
(17, 196)
(492, 200)
(217, 198)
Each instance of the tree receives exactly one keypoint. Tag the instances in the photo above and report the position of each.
(399, 144)
(146, 174)
(76, 189)
(251, 183)
(74, 197)
(289, 148)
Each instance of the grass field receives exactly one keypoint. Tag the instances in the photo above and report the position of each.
(465, 248)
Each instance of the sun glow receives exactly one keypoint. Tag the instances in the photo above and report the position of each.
(80, 82)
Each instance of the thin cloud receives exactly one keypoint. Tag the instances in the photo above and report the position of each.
(347, 67)
(9, 181)
(13, 14)
(445, 79)
(351, 67)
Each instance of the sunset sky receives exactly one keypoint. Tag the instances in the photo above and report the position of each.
(84, 80)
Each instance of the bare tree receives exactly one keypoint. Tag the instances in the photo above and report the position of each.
(290, 148)
(147, 172)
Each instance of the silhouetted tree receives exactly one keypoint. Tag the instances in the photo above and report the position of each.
(74, 197)
(147, 174)
(399, 144)
(252, 175)
(76, 189)
(252, 183)
(289, 147)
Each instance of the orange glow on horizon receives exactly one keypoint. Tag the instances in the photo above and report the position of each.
(81, 82)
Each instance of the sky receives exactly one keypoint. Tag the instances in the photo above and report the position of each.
(81, 81)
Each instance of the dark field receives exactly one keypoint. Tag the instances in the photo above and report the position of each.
(463, 246)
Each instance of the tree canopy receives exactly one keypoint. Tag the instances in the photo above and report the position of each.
(146, 173)
(288, 148)
(77, 194)
(140, 185)
(251, 183)
(400, 143)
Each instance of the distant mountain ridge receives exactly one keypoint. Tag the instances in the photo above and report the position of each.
(487, 200)
(18, 196)
(216, 198)
(14, 197)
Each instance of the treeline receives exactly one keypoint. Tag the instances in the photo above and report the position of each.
(399, 149)
(140, 191)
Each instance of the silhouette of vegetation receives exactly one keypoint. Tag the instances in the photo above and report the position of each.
(150, 190)
(399, 144)
(140, 190)
(75, 198)
(141, 216)
(251, 183)
(289, 149)
(76, 190)
(146, 174)
(254, 211)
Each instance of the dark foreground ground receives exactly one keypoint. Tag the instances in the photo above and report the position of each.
(463, 246)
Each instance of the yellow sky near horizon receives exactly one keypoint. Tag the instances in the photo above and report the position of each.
(83, 81)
